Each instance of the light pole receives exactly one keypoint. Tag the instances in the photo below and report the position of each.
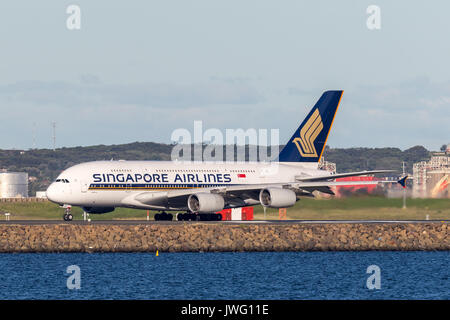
(404, 189)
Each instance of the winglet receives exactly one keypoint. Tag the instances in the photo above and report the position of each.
(402, 181)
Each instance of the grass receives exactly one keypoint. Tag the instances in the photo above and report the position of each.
(47, 210)
(354, 208)
(363, 208)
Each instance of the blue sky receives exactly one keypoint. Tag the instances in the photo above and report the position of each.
(137, 70)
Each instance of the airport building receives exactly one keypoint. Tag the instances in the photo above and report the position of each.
(13, 184)
(432, 178)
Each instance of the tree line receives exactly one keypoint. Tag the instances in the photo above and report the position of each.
(44, 165)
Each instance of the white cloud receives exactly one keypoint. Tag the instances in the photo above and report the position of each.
(439, 102)
(89, 112)
(91, 92)
(402, 114)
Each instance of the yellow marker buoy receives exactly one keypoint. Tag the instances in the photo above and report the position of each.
(157, 253)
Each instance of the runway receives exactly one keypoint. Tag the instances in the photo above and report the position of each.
(236, 222)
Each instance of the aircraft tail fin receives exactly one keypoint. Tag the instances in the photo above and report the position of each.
(309, 140)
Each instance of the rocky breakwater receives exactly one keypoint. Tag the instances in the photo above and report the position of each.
(194, 237)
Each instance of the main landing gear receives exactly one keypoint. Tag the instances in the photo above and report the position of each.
(163, 216)
(67, 215)
(189, 216)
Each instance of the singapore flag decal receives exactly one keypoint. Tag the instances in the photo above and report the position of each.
(241, 176)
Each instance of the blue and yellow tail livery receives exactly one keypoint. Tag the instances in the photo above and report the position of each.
(309, 140)
(402, 182)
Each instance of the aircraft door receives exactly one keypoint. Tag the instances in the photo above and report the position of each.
(84, 186)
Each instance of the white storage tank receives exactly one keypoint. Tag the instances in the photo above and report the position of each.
(13, 185)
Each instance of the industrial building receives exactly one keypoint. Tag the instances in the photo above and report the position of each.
(41, 195)
(432, 178)
(13, 184)
(327, 166)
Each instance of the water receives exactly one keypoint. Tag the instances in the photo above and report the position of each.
(265, 275)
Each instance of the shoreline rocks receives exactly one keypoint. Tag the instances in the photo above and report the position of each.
(187, 237)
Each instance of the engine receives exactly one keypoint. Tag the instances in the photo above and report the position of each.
(98, 210)
(277, 198)
(205, 202)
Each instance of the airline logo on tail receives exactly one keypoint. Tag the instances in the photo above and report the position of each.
(309, 140)
(308, 135)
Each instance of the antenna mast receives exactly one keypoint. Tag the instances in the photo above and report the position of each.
(54, 135)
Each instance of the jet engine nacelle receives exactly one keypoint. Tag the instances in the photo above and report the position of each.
(205, 202)
(277, 198)
(98, 209)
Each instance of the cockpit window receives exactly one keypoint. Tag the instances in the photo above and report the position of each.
(58, 180)
(62, 180)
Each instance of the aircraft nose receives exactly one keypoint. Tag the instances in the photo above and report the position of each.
(52, 193)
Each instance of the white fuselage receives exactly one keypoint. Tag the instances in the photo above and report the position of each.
(114, 183)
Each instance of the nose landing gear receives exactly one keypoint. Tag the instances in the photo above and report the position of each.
(67, 215)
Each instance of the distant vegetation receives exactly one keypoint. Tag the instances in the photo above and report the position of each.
(375, 158)
(44, 165)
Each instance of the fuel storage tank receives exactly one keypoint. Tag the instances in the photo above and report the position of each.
(13, 185)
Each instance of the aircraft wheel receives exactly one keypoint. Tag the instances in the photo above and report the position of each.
(65, 217)
(157, 217)
(180, 216)
(69, 217)
(164, 216)
(218, 217)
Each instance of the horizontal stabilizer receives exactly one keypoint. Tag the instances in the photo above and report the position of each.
(402, 181)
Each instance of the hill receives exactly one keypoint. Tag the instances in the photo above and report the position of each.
(357, 159)
(44, 165)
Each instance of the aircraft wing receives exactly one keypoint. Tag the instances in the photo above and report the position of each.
(341, 175)
(239, 195)
(299, 187)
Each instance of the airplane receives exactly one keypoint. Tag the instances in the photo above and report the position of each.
(200, 189)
